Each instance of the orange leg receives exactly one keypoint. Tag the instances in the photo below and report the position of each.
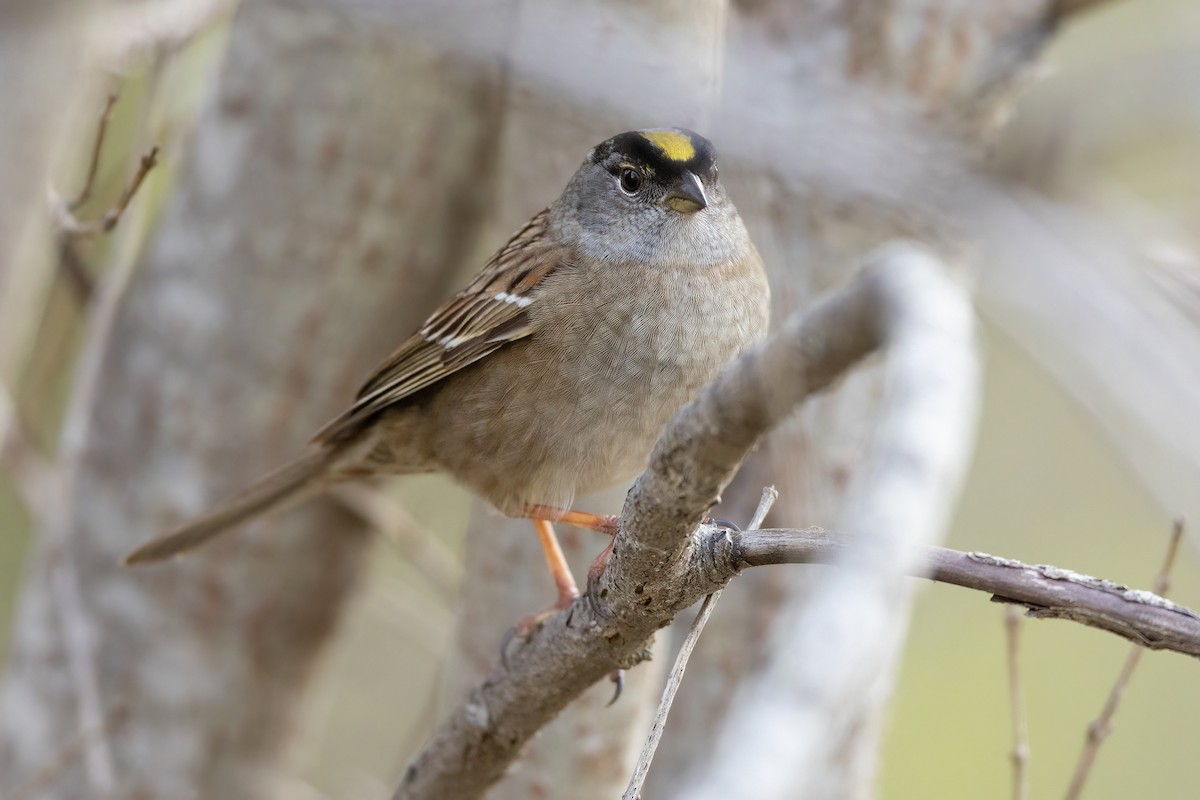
(601, 523)
(564, 582)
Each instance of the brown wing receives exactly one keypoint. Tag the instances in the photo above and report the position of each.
(491, 312)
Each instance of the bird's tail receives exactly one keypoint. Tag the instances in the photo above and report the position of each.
(301, 478)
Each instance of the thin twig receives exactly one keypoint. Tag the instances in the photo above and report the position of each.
(1099, 729)
(423, 550)
(147, 163)
(76, 630)
(127, 35)
(72, 226)
(97, 145)
(42, 780)
(1020, 729)
(642, 769)
(1072, 8)
(1048, 592)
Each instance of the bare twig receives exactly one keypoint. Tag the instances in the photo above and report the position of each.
(71, 226)
(1101, 727)
(38, 783)
(147, 163)
(78, 641)
(130, 33)
(1016, 696)
(642, 768)
(1047, 592)
(424, 550)
(97, 146)
(1072, 8)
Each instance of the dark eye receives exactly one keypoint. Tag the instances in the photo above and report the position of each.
(631, 180)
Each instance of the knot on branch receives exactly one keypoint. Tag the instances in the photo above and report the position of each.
(714, 555)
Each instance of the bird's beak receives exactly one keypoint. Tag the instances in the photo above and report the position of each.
(687, 196)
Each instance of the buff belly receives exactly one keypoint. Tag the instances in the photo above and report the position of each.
(585, 411)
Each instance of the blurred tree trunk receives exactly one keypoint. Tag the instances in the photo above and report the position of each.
(588, 751)
(948, 66)
(41, 61)
(337, 175)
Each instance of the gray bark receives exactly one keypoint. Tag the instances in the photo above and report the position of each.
(337, 175)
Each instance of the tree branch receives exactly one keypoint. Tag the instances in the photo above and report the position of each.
(656, 570)
(97, 145)
(1048, 592)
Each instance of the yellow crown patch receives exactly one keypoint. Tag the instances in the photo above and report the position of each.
(673, 144)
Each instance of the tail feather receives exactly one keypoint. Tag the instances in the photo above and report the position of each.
(293, 482)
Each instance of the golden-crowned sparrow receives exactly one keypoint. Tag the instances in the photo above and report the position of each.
(552, 373)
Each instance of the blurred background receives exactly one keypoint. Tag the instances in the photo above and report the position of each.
(328, 171)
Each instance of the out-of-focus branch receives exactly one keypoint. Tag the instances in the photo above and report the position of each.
(1016, 698)
(42, 61)
(128, 33)
(97, 145)
(423, 550)
(70, 261)
(73, 751)
(78, 640)
(656, 570)
(1072, 8)
(807, 722)
(71, 226)
(1101, 727)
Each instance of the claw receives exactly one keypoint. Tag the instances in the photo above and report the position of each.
(509, 635)
(522, 630)
(723, 523)
(618, 678)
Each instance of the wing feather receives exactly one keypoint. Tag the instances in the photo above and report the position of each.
(491, 312)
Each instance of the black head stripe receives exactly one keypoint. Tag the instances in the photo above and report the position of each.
(666, 151)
